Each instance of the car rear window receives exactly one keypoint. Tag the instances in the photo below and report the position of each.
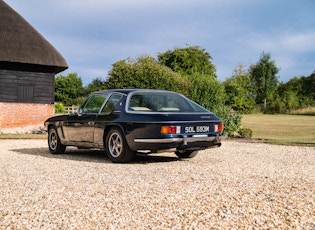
(162, 102)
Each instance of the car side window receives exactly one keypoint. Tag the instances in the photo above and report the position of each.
(111, 103)
(94, 104)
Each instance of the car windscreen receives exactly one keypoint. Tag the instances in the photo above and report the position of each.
(162, 102)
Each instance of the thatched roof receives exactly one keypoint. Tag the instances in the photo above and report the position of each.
(22, 45)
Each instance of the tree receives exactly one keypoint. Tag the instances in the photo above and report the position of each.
(194, 64)
(304, 87)
(239, 91)
(96, 85)
(297, 93)
(264, 78)
(68, 88)
(188, 61)
(206, 91)
(283, 100)
(310, 86)
(145, 72)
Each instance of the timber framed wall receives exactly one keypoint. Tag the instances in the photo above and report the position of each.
(26, 99)
(26, 87)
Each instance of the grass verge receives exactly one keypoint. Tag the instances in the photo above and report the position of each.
(282, 129)
(23, 136)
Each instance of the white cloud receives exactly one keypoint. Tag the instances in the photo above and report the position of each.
(293, 43)
(299, 42)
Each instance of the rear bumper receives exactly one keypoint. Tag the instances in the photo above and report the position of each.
(185, 140)
(196, 142)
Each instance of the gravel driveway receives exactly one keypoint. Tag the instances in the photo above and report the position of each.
(239, 185)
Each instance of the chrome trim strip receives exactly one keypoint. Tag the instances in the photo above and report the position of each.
(184, 139)
(168, 140)
(177, 122)
(167, 113)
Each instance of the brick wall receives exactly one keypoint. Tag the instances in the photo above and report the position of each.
(22, 117)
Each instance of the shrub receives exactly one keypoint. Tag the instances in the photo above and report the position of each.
(245, 133)
(231, 119)
(59, 107)
(145, 72)
(206, 90)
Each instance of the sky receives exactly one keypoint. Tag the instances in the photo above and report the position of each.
(92, 35)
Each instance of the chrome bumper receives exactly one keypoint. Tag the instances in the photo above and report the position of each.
(185, 140)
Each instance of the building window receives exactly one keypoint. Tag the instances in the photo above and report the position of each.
(26, 93)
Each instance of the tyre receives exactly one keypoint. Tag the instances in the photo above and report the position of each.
(54, 144)
(117, 148)
(186, 153)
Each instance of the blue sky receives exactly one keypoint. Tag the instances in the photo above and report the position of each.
(92, 35)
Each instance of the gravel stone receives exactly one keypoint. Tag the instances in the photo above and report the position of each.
(237, 186)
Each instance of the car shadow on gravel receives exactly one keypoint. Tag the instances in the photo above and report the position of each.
(147, 159)
(93, 155)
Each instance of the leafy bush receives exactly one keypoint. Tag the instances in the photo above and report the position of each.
(206, 90)
(145, 72)
(59, 107)
(79, 101)
(245, 132)
(232, 120)
(68, 88)
(239, 91)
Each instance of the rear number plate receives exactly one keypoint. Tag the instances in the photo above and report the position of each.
(197, 129)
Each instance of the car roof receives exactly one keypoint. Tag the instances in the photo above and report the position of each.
(127, 91)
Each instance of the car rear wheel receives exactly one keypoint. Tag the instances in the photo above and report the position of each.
(186, 153)
(117, 148)
(54, 144)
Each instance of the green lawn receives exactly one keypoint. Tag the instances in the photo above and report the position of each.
(282, 129)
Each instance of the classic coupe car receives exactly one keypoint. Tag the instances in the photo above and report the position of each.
(127, 121)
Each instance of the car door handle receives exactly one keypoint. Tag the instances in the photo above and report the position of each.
(91, 123)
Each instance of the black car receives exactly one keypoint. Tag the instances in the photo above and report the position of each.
(127, 121)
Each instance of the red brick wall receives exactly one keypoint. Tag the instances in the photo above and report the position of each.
(23, 115)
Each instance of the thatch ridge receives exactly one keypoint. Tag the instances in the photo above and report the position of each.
(21, 43)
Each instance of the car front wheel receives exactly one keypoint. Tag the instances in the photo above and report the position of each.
(117, 148)
(54, 144)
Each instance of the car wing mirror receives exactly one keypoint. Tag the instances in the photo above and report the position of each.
(79, 111)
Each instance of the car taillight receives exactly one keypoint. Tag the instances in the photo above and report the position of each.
(219, 128)
(170, 129)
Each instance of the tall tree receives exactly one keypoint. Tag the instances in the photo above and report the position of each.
(239, 91)
(188, 61)
(264, 78)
